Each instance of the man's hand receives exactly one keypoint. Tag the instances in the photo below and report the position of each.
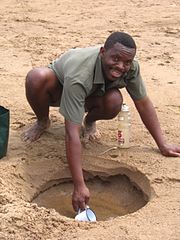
(80, 197)
(170, 150)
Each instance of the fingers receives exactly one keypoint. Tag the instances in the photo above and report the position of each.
(86, 201)
(80, 203)
(171, 150)
(171, 154)
(174, 154)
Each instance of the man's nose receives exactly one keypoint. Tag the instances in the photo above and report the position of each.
(120, 65)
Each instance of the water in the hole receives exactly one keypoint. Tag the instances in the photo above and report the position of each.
(112, 197)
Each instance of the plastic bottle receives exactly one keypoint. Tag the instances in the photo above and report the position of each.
(124, 123)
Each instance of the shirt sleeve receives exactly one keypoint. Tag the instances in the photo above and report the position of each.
(73, 101)
(135, 85)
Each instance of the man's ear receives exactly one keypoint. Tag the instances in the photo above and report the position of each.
(102, 51)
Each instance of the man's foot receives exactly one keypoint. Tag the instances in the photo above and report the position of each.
(33, 133)
(90, 131)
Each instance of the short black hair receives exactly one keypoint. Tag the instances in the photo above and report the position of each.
(120, 37)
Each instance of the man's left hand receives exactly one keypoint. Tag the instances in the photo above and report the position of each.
(170, 150)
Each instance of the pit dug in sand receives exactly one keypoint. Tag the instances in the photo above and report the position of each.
(116, 191)
(110, 197)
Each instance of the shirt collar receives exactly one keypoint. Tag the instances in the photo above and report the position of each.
(98, 75)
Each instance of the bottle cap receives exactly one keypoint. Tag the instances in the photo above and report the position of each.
(124, 108)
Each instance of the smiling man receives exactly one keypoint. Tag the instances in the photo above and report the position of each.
(88, 80)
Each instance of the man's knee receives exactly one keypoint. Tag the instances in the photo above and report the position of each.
(35, 79)
(113, 102)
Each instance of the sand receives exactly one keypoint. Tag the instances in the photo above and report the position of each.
(32, 34)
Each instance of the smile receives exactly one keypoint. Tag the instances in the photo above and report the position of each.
(115, 73)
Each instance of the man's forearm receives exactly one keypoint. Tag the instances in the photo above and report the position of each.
(81, 195)
(149, 117)
(73, 152)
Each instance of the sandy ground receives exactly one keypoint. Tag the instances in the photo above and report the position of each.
(32, 34)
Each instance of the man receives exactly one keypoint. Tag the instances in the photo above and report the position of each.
(88, 80)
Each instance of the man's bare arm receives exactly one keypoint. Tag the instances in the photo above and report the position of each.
(73, 151)
(149, 117)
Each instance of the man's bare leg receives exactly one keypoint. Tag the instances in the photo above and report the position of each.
(42, 90)
(101, 108)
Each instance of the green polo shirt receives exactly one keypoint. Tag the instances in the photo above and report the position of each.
(79, 71)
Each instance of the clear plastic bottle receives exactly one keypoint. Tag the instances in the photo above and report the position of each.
(124, 123)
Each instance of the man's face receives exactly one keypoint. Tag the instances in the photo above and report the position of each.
(116, 61)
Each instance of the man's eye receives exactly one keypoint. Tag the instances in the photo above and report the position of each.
(116, 59)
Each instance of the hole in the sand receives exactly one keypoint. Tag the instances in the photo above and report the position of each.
(110, 197)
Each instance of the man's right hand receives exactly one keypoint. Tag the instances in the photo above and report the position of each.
(80, 197)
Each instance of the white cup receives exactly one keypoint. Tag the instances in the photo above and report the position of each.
(86, 215)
